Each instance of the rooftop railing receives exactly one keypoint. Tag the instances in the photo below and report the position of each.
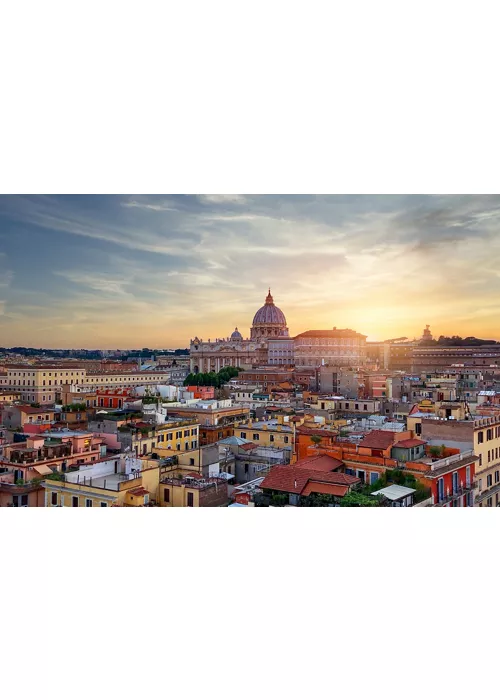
(448, 461)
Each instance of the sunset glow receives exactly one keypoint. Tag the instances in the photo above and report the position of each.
(132, 271)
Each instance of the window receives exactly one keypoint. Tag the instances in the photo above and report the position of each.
(497, 477)
(74, 502)
(246, 468)
(53, 498)
(190, 499)
(166, 495)
(489, 480)
(88, 503)
(255, 436)
(489, 502)
(480, 437)
(271, 438)
(489, 434)
(191, 461)
(243, 435)
(104, 505)
(285, 440)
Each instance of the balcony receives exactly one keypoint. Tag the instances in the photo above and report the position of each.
(456, 493)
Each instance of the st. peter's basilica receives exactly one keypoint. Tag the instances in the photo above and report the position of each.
(269, 324)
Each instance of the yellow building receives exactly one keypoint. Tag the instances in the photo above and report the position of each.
(122, 481)
(279, 432)
(177, 435)
(179, 489)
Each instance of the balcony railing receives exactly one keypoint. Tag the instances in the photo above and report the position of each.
(456, 493)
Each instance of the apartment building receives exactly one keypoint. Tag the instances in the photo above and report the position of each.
(121, 481)
(482, 436)
(24, 465)
(39, 384)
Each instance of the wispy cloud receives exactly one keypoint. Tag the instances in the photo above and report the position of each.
(157, 270)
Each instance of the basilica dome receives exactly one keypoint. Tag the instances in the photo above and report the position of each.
(236, 335)
(269, 313)
(269, 321)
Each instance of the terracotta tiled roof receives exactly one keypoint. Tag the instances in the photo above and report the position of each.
(139, 491)
(379, 439)
(294, 480)
(321, 463)
(248, 446)
(410, 443)
(331, 489)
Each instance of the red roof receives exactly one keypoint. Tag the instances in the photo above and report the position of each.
(410, 443)
(379, 439)
(248, 446)
(139, 491)
(291, 479)
(321, 463)
(331, 489)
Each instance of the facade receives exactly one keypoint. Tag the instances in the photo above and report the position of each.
(45, 384)
(277, 433)
(193, 491)
(121, 481)
(336, 347)
(176, 435)
(482, 438)
(235, 351)
(281, 352)
(442, 357)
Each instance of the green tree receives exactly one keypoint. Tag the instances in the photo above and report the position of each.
(316, 439)
(356, 499)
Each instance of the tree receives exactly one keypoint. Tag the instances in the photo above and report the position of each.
(356, 499)
(316, 439)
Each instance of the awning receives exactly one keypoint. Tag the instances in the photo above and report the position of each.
(41, 469)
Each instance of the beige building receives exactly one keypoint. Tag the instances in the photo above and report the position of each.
(46, 384)
(338, 347)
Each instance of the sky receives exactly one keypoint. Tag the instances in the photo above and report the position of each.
(133, 271)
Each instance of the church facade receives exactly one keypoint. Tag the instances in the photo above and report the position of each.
(235, 351)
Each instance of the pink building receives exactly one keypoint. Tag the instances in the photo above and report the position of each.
(25, 464)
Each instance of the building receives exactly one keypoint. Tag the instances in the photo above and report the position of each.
(277, 433)
(451, 480)
(281, 351)
(440, 357)
(337, 347)
(482, 438)
(235, 351)
(140, 438)
(19, 416)
(250, 461)
(302, 483)
(121, 481)
(47, 383)
(24, 465)
(39, 383)
(193, 490)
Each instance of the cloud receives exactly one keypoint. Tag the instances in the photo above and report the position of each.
(222, 198)
(156, 270)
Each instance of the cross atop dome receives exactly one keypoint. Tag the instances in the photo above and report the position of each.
(269, 298)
